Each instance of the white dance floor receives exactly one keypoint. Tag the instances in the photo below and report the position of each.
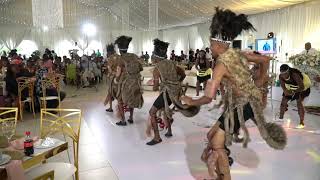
(111, 152)
(178, 158)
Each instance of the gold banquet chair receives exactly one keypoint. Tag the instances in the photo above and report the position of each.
(51, 81)
(9, 117)
(26, 83)
(67, 122)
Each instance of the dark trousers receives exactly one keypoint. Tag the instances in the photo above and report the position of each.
(247, 114)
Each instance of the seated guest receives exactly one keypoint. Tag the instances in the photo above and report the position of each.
(309, 50)
(14, 71)
(88, 71)
(45, 69)
(3, 65)
(11, 83)
(31, 67)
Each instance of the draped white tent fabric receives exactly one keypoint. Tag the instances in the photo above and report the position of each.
(19, 23)
(11, 39)
(293, 27)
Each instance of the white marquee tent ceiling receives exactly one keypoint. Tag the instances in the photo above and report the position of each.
(171, 12)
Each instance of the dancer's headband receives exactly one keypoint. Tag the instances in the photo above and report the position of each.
(220, 40)
(160, 57)
(285, 72)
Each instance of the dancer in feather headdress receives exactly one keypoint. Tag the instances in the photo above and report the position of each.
(129, 79)
(171, 77)
(114, 60)
(242, 99)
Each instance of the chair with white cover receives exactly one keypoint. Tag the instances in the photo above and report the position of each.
(67, 122)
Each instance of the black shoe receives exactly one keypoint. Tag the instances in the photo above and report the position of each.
(121, 123)
(154, 142)
(230, 161)
(130, 121)
(109, 110)
(168, 135)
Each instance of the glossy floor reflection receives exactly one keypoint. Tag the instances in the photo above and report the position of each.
(111, 152)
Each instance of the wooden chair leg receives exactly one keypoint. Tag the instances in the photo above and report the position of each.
(20, 110)
(32, 108)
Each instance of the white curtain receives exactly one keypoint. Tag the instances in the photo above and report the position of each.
(293, 27)
(204, 33)
(12, 36)
(182, 38)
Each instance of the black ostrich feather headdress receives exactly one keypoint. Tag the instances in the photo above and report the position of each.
(227, 25)
(123, 42)
(160, 48)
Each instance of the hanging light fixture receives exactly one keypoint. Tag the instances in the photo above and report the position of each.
(89, 29)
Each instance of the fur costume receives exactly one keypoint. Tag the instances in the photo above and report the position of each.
(113, 61)
(171, 82)
(226, 26)
(131, 82)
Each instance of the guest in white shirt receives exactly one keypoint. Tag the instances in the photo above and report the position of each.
(309, 50)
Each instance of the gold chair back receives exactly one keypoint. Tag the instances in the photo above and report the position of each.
(66, 121)
(46, 176)
(23, 83)
(9, 117)
(51, 81)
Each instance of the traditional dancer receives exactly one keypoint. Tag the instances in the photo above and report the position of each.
(114, 61)
(171, 90)
(242, 99)
(296, 86)
(130, 79)
(204, 72)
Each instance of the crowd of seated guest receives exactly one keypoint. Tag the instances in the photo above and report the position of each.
(14, 67)
(190, 59)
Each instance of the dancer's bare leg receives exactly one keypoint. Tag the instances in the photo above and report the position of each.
(110, 103)
(168, 124)
(149, 127)
(122, 122)
(283, 107)
(301, 111)
(130, 120)
(197, 88)
(109, 100)
(218, 144)
(157, 139)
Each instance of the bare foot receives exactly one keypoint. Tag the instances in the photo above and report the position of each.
(149, 128)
